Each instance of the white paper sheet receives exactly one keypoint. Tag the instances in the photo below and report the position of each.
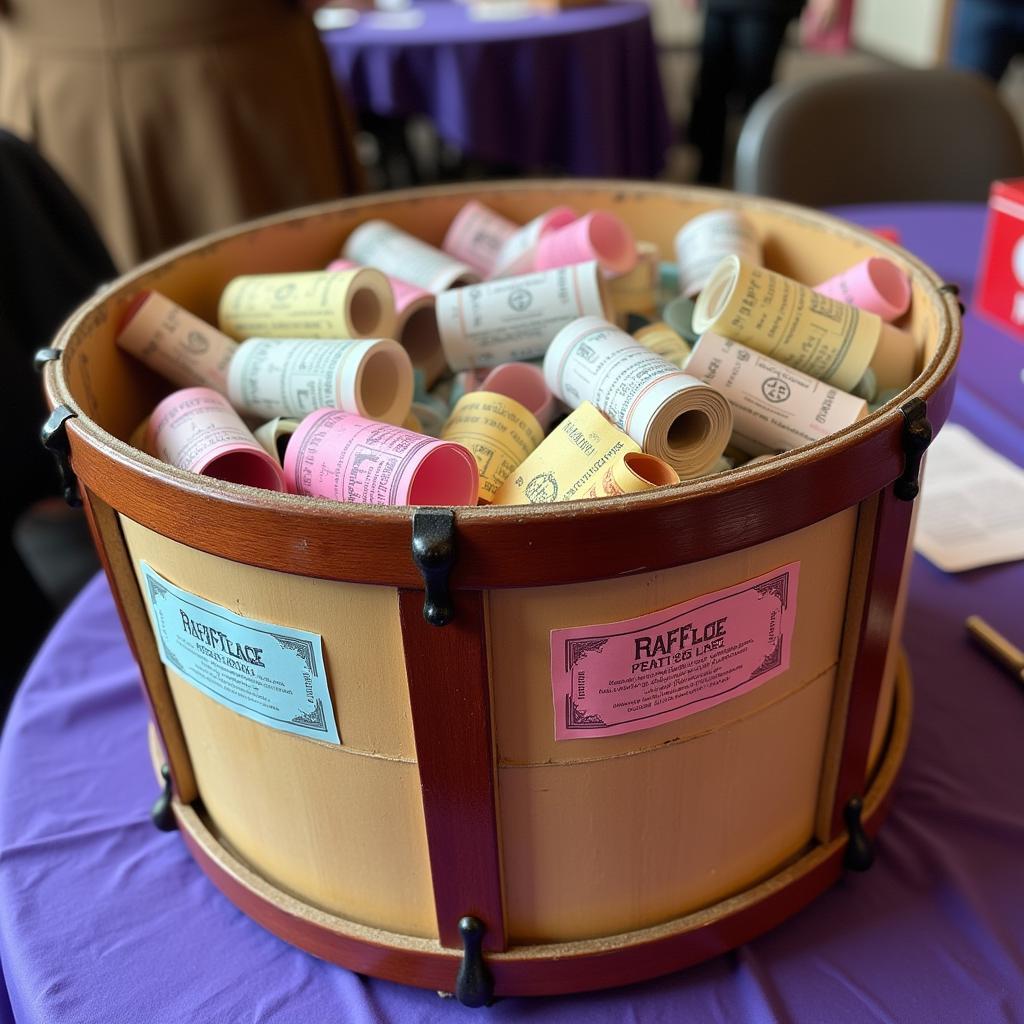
(972, 504)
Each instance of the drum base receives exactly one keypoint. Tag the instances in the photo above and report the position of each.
(553, 968)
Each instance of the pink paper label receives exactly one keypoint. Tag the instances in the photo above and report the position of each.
(621, 677)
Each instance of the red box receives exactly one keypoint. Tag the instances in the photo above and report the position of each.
(999, 295)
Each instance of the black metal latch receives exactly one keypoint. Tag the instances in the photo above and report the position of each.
(474, 985)
(433, 551)
(860, 854)
(54, 436)
(162, 814)
(917, 435)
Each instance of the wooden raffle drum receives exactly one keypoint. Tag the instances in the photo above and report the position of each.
(588, 863)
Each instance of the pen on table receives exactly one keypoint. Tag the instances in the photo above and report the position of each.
(997, 647)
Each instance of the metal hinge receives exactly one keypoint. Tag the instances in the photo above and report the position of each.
(44, 356)
(433, 551)
(917, 435)
(54, 436)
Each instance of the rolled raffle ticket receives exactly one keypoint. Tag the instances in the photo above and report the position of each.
(525, 383)
(660, 338)
(703, 241)
(196, 429)
(283, 377)
(795, 325)
(176, 344)
(311, 304)
(774, 407)
(515, 318)
(498, 431)
(394, 251)
(518, 253)
(583, 457)
(275, 434)
(666, 411)
(415, 323)
(637, 291)
(875, 284)
(597, 236)
(476, 236)
(336, 455)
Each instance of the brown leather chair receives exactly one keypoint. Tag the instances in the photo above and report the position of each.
(892, 135)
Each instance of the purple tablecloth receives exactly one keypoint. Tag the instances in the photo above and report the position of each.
(577, 91)
(102, 918)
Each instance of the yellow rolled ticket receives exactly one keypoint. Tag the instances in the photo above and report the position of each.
(585, 456)
(795, 325)
(660, 338)
(311, 304)
(666, 411)
(498, 431)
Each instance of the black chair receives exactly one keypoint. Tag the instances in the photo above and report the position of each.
(894, 135)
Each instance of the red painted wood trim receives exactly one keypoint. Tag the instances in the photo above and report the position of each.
(449, 692)
(515, 547)
(122, 583)
(885, 572)
(573, 967)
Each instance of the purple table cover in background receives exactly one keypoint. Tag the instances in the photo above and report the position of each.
(577, 91)
(104, 919)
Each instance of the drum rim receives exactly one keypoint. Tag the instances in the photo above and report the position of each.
(824, 465)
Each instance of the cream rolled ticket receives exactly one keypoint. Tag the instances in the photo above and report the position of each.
(313, 304)
(703, 241)
(176, 344)
(394, 251)
(585, 456)
(795, 325)
(666, 411)
(283, 377)
(498, 431)
(774, 407)
(515, 318)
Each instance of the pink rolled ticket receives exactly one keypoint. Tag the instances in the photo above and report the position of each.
(415, 323)
(875, 284)
(525, 383)
(176, 344)
(597, 236)
(476, 236)
(336, 455)
(518, 253)
(774, 407)
(196, 429)
(703, 241)
(667, 412)
(515, 317)
(284, 377)
(397, 253)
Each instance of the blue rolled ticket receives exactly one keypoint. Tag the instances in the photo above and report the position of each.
(274, 675)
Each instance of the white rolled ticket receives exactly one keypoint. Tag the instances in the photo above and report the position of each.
(176, 344)
(394, 251)
(517, 254)
(795, 325)
(666, 411)
(371, 377)
(774, 407)
(309, 304)
(703, 241)
(515, 318)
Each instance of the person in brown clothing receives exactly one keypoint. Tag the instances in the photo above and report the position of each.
(174, 118)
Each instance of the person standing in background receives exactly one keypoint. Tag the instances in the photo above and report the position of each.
(741, 42)
(174, 118)
(987, 35)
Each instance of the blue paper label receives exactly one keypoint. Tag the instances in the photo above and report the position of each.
(272, 674)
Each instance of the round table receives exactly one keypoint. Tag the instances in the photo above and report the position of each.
(102, 918)
(576, 91)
